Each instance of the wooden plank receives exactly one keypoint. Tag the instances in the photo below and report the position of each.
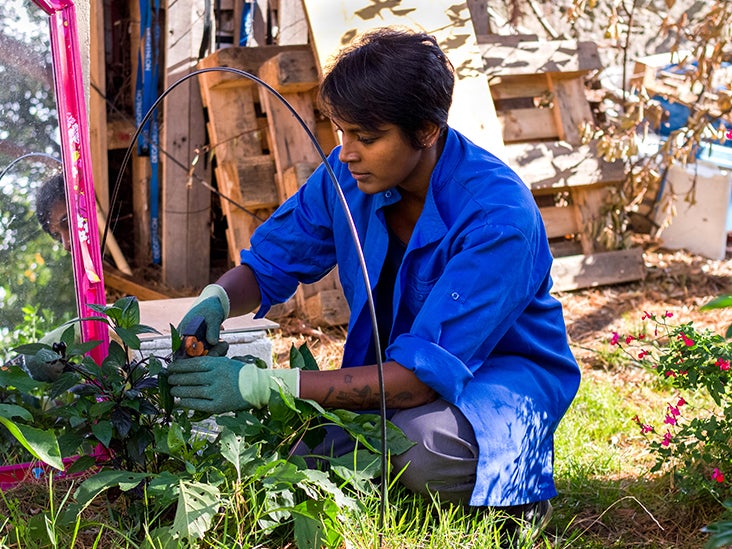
(290, 144)
(589, 203)
(245, 59)
(571, 107)
(327, 307)
(233, 127)
(553, 166)
(600, 269)
(256, 180)
(294, 177)
(532, 57)
(290, 72)
(479, 16)
(119, 133)
(186, 204)
(292, 23)
(334, 23)
(534, 85)
(116, 280)
(240, 223)
(559, 221)
(527, 124)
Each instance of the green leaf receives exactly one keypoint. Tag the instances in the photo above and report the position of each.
(176, 439)
(100, 409)
(296, 358)
(84, 463)
(309, 360)
(10, 411)
(312, 524)
(237, 451)
(175, 339)
(197, 505)
(104, 480)
(720, 302)
(128, 337)
(41, 444)
(15, 376)
(166, 399)
(103, 431)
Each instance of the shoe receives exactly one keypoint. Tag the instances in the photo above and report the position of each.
(524, 523)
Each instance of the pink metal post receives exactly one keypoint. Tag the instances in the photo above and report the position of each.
(80, 197)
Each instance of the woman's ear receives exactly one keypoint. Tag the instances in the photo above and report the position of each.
(428, 134)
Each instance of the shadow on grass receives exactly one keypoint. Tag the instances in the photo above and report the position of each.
(629, 512)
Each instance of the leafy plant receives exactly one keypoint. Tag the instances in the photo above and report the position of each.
(184, 476)
(691, 438)
(700, 45)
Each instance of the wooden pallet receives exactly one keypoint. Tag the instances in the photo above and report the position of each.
(539, 95)
(263, 155)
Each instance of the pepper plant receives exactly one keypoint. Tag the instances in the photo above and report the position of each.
(184, 476)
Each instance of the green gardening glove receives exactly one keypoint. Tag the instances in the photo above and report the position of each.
(219, 384)
(213, 307)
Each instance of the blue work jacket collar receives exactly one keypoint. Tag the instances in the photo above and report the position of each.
(430, 228)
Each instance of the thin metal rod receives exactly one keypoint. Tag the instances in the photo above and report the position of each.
(351, 226)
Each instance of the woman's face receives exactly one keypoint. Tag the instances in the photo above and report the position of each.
(58, 224)
(383, 159)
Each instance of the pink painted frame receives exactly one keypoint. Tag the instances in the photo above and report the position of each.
(76, 156)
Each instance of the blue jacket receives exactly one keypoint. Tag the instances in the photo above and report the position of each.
(473, 317)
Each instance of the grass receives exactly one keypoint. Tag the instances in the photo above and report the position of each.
(607, 496)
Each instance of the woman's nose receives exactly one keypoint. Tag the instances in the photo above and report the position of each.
(348, 153)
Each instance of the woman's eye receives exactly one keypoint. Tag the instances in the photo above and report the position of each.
(367, 140)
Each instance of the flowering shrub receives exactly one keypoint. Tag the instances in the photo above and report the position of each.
(694, 434)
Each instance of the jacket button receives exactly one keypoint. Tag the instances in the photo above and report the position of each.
(455, 295)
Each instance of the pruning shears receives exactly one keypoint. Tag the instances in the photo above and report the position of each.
(193, 339)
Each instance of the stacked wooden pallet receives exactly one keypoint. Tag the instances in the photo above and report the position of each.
(539, 95)
(263, 154)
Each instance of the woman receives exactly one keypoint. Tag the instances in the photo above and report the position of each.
(477, 368)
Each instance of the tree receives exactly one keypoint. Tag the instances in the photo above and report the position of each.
(34, 270)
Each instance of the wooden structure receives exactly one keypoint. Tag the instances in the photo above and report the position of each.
(539, 94)
(519, 98)
(263, 154)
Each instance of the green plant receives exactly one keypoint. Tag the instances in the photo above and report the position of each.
(692, 434)
(173, 477)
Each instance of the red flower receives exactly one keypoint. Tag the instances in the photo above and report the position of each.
(729, 134)
(722, 363)
(668, 315)
(646, 315)
(670, 420)
(681, 402)
(642, 354)
(687, 341)
(615, 338)
(717, 475)
(628, 339)
(666, 439)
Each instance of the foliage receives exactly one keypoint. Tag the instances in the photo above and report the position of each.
(188, 477)
(694, 431)
(701, 38)
(692, 439)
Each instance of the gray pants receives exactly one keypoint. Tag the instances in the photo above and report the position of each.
(444, 459)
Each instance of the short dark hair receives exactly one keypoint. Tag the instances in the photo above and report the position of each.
(50, 193)
(390, 75)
